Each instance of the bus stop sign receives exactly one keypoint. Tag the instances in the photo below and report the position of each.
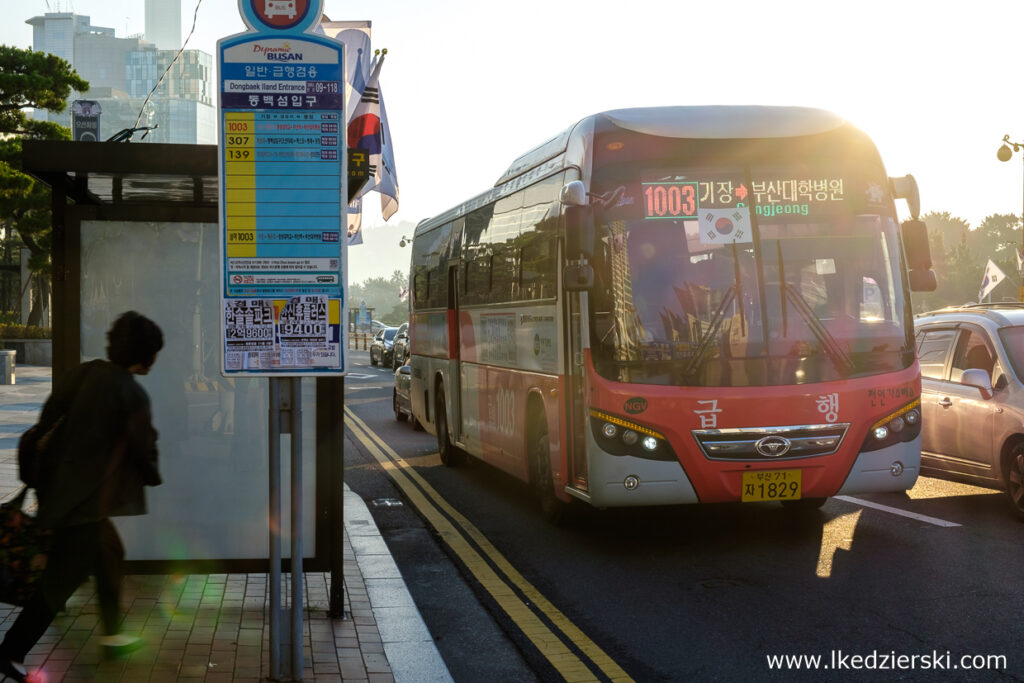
(282, 193)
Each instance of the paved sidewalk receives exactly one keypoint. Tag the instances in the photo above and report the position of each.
(213, 627)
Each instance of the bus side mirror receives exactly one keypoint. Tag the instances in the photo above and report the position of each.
(915, 244)
(919, 256)
(923, 280)
(579, 232)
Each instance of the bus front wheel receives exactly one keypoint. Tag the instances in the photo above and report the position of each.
(553, 508)
(449, 452)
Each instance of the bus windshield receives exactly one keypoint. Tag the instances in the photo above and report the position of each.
(748, 276)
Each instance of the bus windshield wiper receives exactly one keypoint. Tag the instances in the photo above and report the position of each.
(839, 357)
(712, 332)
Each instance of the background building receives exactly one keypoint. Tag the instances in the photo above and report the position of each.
(163, 23)
(122, 72)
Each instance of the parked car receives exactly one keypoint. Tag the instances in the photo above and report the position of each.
(972, 396)
(381, 348)
(400, 398)
(401, 346)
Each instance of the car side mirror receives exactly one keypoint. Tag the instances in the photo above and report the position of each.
(405, 370)
(976, 377)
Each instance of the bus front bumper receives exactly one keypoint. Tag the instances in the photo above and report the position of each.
(624, 480)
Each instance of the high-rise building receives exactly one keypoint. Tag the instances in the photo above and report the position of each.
(122, 72)
(163, 23)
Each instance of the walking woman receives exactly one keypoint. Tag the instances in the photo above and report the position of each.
(104, 456)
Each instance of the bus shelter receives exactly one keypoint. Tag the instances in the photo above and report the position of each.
(135, 227)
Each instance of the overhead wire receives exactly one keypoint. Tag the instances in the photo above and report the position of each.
(195, 17)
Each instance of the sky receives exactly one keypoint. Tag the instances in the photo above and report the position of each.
(471, 85)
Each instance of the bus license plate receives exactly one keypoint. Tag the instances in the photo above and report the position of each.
(771, 485)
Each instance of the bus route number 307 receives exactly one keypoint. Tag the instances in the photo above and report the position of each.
(771, 485)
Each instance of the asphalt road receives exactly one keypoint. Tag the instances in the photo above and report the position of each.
(883, 587)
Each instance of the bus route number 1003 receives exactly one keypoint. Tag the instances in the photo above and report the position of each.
(670, 200)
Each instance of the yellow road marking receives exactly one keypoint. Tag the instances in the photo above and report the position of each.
(549, 644)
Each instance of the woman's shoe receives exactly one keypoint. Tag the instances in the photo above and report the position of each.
(114, 647)
(13, 671)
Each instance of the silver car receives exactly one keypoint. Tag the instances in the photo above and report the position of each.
(400, 399)
(972, 396)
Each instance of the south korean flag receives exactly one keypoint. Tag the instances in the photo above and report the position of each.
(725, 226)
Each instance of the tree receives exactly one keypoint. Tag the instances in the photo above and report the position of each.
(998, 238)
(382, 294)
(36, 80)
(952, 228)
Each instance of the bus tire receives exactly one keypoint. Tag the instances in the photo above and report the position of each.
(552, 507)
(804, 504)
(451, 456)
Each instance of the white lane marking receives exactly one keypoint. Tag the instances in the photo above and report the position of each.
(355, 376)
(896, 511)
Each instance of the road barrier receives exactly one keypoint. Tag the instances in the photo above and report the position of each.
(359, 340)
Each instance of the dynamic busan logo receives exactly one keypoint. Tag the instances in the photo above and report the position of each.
(278, 53)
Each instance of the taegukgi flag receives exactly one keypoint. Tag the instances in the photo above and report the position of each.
(356, 37)
(368, 129)
(993, 276)
(724, 226)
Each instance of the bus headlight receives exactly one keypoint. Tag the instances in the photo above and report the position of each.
(636, 440)
(899, 426)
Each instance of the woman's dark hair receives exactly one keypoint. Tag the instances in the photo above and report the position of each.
(133, 338)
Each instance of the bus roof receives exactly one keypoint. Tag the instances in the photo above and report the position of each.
(717, 121)
(703, 122)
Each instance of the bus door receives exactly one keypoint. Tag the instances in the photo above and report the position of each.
(576, 335)
(455, 365)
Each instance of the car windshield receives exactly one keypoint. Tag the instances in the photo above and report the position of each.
(809, 292)
(389, 333)
(1013, 344)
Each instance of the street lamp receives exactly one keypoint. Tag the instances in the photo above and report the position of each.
(1004, 153)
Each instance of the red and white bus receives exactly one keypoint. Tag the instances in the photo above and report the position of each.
(678, 305)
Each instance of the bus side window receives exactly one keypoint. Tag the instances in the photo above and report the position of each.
(419, 290)
(478, 278)
(538, 265)
(504, 274)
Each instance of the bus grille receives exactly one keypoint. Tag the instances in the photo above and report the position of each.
(771, 443)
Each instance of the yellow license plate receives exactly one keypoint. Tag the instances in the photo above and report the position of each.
(771, 485)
